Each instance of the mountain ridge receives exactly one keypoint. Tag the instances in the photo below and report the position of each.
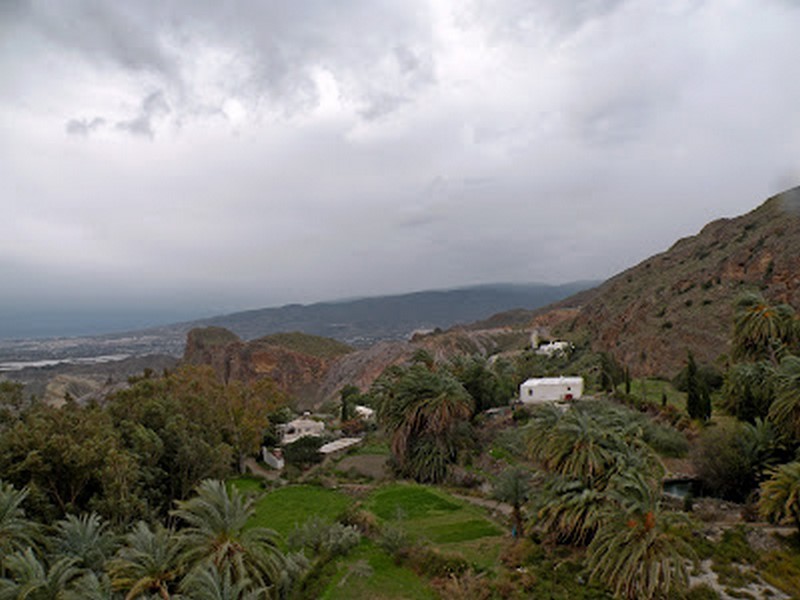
(359, 322)
(650, 315)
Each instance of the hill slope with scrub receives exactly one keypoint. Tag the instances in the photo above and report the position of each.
(648, 316)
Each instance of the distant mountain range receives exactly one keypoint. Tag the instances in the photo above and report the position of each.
(358, 322)
(648, 317)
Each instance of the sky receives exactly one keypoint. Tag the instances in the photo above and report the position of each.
(183, 158)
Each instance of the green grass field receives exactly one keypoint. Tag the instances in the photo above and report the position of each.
(409, 502)
(285, 508)
(382, 580)
(430, 514)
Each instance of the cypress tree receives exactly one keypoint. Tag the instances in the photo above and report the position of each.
(694, 400)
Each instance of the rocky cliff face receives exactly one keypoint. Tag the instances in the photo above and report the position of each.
(679, 300)
(295, 372)
(314, 378)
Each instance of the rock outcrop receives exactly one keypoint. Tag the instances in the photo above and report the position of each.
(312, 370)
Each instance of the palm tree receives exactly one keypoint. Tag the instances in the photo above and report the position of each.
(639, 551)
(215, 534)
(87, 539)
(780, 494)
(421, 410)
(149, 562)
(761, 330)
(16, 531)
(750, 390)
(513, 487)
(569, 510)
(576, 444)
(207, 583)
(93, 587)
(641, 555)
(30, 579)
(785, 409)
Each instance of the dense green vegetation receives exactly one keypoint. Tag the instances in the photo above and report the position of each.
(125, 498)
(146, 447)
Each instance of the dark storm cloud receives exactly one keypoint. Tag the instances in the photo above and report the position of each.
(83, 127)
(127, 34)
(272, 48)
(154, 105)
(247, 153)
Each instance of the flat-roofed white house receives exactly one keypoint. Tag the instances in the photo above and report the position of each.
(550, 389)
(294, 430)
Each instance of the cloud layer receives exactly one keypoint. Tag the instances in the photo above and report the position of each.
(239, 154)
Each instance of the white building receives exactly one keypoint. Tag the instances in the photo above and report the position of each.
(556, 348)
(340, 444)
(364, 412)
(274, 458)
(550, 389)
(294, 430)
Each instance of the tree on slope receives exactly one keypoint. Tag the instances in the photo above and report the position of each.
(513, 487)
(639, 551)
(698, 400)
(16, 531)
(214, 533)
(148, 563)
(423, 410)
(780, 494)
(208, 583)
(86, 539)
(29, 578)
(785, 409)
(762, 330)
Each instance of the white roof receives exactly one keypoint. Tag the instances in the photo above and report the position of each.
(339, 444)
(533, 381)
(303, 423)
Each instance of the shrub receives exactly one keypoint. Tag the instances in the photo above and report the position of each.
(332, 540)
(433, 563)
(724, 462)
(467, 585)
(666, 440)
(395, 542)
(361, 519)
(303, 452)
(520, 415)
(521, 553)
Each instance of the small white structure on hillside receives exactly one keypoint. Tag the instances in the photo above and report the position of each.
(364, 412)
(274, 458)
(340, 444)
(550, 389)
(555, 348)
(294, 430)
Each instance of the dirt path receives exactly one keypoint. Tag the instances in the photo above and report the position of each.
(256, 469)
(494, 505)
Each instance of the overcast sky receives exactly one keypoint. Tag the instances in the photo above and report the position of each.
(201, 156)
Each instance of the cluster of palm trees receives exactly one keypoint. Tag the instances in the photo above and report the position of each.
(601, 489)
(207, 554)
(426, 412)
(764, 384)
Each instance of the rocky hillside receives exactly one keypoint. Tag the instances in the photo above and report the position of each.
(647, 316)
(313, 369)
(650, 315)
